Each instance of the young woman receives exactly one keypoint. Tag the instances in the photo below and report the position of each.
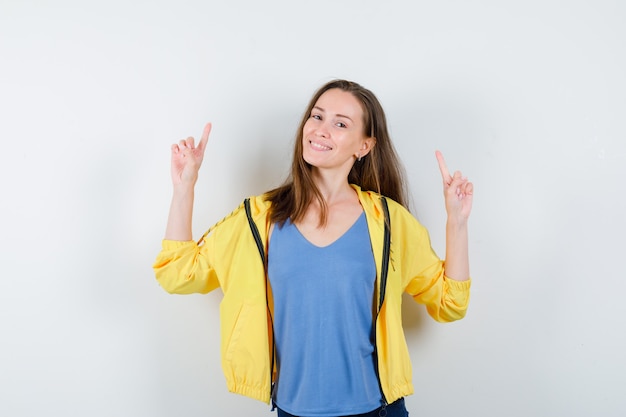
(313, 271)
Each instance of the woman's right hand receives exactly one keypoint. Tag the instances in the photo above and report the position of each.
(187, 158)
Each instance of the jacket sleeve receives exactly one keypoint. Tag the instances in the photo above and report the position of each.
(185, 267)
(445, 299)
(424, 274)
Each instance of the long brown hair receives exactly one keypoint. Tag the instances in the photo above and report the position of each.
(380, 170)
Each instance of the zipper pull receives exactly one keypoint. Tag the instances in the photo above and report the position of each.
(383, 410)
(272, 396)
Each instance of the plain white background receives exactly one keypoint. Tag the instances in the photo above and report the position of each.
(527, 98)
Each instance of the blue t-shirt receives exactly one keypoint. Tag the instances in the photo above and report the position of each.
(323, 321)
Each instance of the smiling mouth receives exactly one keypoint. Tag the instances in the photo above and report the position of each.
(319, 146)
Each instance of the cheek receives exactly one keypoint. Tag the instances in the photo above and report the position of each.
(307, 128)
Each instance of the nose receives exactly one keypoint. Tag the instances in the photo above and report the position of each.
(321, 130)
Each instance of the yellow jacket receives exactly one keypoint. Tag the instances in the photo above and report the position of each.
(227, 256)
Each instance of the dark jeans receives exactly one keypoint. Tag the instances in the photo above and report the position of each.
(395, 409)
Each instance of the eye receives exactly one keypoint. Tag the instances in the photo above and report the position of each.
(316, 117)
(341, 124)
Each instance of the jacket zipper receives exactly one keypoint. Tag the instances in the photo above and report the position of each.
(383, 288)
(259, 244)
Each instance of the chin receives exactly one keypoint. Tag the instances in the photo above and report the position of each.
(309, 160)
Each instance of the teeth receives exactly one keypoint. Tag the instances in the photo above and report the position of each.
(320, 146)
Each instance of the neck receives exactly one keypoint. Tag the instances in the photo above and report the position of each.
(333, 188)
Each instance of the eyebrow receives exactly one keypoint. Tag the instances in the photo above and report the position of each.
(338, 115)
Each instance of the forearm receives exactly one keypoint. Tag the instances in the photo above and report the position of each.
(181, 211)
(457, 256)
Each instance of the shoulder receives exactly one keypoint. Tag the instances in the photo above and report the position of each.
(403, 222)
(259, 205)
(258, 209)
(373, 202)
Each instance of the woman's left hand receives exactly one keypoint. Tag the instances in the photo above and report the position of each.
(457, 190)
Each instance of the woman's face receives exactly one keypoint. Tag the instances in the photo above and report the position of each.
(333, 135)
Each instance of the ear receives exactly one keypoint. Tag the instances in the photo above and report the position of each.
(367, 145)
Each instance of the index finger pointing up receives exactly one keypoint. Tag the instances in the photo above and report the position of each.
(447, 178)
(205, 136)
